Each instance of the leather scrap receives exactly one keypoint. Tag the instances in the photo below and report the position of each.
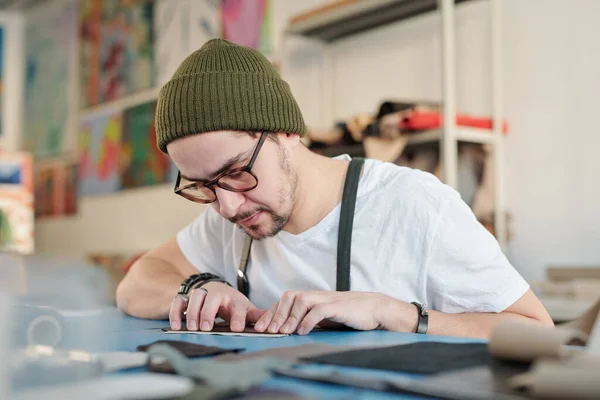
(191, 349)
(293, 354)
(420, 357)
(219, 378)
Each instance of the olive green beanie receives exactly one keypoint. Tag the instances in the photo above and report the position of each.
(225, 86)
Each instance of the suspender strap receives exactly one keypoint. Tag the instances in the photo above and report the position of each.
(344, 233)
(242, 279)
(346, 221)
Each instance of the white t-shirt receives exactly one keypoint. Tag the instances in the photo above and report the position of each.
(413, 239)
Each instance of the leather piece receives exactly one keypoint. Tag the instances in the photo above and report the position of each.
(420, 358)
(469, 383)
(190, 349)
(287, 353)
(238, 376)
(201, 392)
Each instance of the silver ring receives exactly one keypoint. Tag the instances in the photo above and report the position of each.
(184, 297)
(204, 290)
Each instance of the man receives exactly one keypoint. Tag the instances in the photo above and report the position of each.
(233, 128)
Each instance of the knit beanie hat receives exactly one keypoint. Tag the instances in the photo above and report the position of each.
(225, 86)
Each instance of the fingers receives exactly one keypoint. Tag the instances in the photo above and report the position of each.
(285, 315)
(288, 300)
(196, 303)
(264, 321)
(178, 305)
(255, 314)
(209, 311)
(297, 314)
(237, 321)
(316, 315)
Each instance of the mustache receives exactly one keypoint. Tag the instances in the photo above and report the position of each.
(246, 214)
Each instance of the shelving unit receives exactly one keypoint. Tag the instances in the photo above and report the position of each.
(343, 18)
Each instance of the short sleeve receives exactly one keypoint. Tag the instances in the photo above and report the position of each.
(466, 269)
(201, 242)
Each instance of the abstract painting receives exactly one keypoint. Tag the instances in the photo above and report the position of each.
(172, 44)
(248, 23)
(116, 49)
(16, 203)
(56, 189)
(11, 172)
(99, 147)
(49, 182)
(49, 41)
(1, 78)
(205, 22)
(142, 163)
(71, 172)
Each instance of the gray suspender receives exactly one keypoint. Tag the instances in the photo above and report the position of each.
(344, 233)
(346, 222)
(242, 279)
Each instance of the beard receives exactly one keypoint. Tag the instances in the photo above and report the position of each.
(256, 231)
(287, 198)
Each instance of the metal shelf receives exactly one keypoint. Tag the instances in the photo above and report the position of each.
(348, 17)
(343, 18)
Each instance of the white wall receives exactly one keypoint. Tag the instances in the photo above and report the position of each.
(551, 64)
(552, 157)
(551, 85)
(127, 222)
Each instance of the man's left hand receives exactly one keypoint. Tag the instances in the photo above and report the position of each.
(302, 311)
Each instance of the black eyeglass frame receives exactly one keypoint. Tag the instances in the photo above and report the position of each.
(215, 182)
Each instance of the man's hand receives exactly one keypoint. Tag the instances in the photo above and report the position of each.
(302, 311)
(212, 300)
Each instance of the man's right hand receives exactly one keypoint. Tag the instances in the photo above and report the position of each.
(212, 300)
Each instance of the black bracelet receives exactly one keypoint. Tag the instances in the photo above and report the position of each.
(217, 279)
(423, 321)
(192, 280)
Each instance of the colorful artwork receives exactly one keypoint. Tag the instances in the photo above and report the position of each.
(247, 22)
(1, 78)
(99, 146)
(56, 189)
(11, 172)
(49, 48)
(142, 163)
(205, 22)
(116, 50)
(172, 44)
(17, 203)
(71, 173)
(49, 183)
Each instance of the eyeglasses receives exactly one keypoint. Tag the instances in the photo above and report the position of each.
(235, 180)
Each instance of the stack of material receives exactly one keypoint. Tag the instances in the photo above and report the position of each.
(571, 282)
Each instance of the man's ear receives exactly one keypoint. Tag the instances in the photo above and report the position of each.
(289, 140)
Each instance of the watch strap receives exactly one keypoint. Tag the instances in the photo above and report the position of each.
(423, 321)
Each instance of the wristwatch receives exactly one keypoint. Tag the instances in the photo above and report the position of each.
(423, 321)
(192, 280)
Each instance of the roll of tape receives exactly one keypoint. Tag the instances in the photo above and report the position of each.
(45, 330)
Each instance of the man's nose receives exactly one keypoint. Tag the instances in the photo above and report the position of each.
(229, 202)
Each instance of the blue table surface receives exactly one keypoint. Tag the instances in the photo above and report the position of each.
(112, 330)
